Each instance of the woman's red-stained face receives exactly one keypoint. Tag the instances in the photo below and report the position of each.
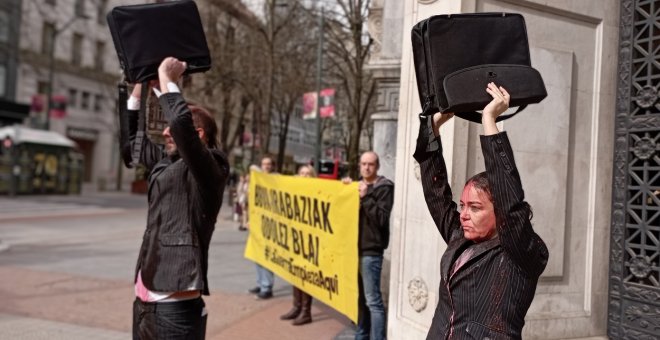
(477, 215)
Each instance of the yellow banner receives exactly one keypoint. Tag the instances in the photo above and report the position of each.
(305, 230)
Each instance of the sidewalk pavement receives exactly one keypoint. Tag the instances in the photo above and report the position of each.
(38, 304)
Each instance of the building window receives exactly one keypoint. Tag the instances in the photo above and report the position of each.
(42, 87)
(47, 35)
(4, 26)
(102, 8)
(73, 97)
(84, 100)
(79, 8)
(76, 49)
(98, 103)
(99, 54)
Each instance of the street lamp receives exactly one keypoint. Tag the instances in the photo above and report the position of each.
(319, 69)
(51, 65)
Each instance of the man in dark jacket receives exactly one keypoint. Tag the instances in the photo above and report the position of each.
(376, 199)
(186, 183)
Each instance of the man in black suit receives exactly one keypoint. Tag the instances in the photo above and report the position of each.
(186, 183)
(494, 258)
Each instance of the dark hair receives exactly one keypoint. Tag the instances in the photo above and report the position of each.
(481, 183)
(203, 119)
(272, 159)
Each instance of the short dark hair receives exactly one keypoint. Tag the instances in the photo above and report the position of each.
(203, 119)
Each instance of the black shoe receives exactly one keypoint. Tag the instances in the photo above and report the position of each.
(264, 295)
(292, 314)
(254, 290)
(303, 319)
(242, 228)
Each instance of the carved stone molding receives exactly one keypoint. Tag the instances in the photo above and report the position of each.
(387, 97)
(375, 27)
(417, 171)
(418, 294)
(644, 148)
(634, 298)
(645, 317)
(426, 2)
(647, 96)
(640, 266)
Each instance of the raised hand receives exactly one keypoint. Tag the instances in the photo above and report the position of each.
(170, 70)
(495, 108)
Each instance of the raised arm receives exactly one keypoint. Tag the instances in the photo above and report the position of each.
(151, 153)
(517, 236)
(435, 182)
(208, 173)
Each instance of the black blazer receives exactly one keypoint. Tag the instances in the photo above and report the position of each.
(488, 297)
(185, 195)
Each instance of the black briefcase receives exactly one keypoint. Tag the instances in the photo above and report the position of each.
(457, 55)
(144, 35)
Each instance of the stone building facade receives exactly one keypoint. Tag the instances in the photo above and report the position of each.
(85, 74)
(564, 150)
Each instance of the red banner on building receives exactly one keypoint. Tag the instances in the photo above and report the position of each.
(310, 104)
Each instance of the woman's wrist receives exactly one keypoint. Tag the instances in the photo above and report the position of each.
(490, 126)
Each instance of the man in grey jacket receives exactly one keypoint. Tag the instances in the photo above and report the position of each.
(186, 183)
(376, 200)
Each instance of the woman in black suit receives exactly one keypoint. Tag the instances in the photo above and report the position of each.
(494, 258)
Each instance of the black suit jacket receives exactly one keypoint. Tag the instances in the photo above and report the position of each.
(185, 195)
(488, 297)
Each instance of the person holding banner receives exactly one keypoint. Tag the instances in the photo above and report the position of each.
(301, 313)
(493, 260)
(265, 277)
(376, 200)
(186, 184)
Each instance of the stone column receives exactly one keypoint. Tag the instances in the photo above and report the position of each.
(385, 27)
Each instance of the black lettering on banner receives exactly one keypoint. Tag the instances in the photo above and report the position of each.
(272, 231)
(310, 221)
(301, 209)
(282, 211)
(261, 197)
(325, 209)
(283, 238)
(296, 210)
(308, 249)
(314, 277)
(289, 208)
(317, 216)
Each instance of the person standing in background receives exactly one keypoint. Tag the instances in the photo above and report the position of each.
(265, 277)
(301, 313)
(376, 200)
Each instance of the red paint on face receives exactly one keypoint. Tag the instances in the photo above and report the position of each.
(477, 215)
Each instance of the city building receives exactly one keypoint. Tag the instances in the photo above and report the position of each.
(65, 46)
(11, 112)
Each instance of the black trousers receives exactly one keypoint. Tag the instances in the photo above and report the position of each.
(181, 320)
